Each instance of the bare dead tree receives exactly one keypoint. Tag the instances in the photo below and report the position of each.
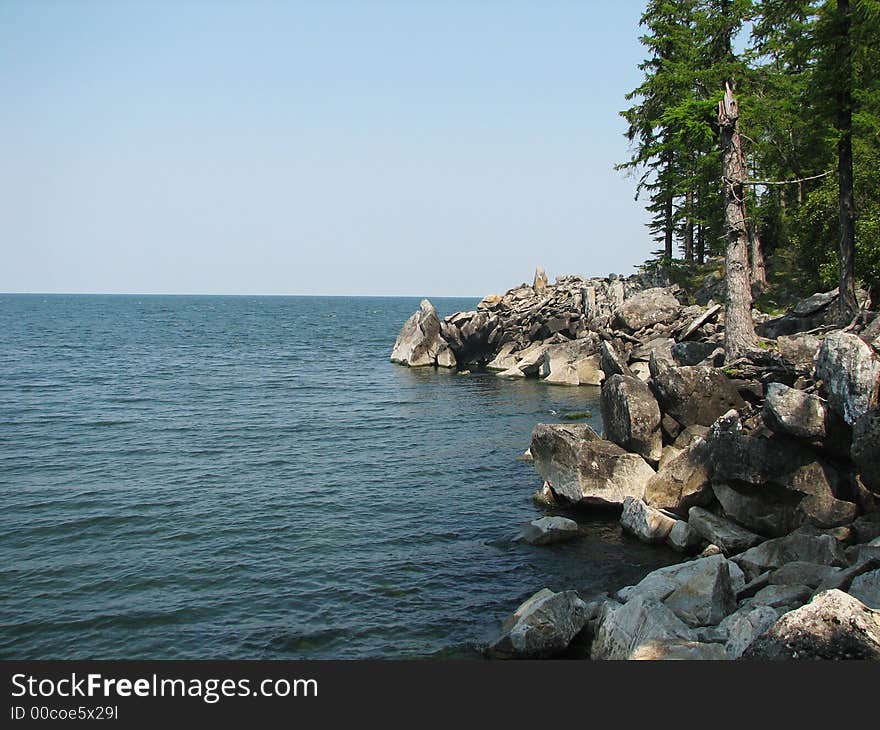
(739, 330)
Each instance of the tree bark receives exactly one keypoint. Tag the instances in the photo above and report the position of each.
(667, 216)
(701, 244)
(739, 330)
(846, 253)
(689, 227)
(759, 270)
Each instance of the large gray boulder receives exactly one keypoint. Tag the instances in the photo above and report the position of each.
(866, 587)
(585, 469)
(695, 394)
(612, 362)
(572, 363)
(548, 530)
(744, 626)
(623, 631)
(649, 307)
(420, 343)
(631, 416)
(683, 481)
(851, 373)
(804, 544)
(541, 627)
(661, 583)
(707, 596)
(644, 522)
(730, 537)
(866, 448)
(799, 350)
(796, 413)
(834, 625)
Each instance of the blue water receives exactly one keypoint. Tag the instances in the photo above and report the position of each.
(249, 477)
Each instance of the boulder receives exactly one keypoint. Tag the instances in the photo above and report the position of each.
(851, 374)
(796, 413)
(585, 469)
(799, 350)
(680, 650)
(695, 394)
(612, 362)
(419, 343)
(866, 587)
(866, 448)
(730, 537)
(541, 627)
(834, 625)
(661, 583)
(815, 303)
(804, 544)
(547, 530)
(649, 307)
(692, 353)
(683, 538)
(682, 482)
(644, 522)
(744, 626)
(657, 348)
(782, 596)
(707, 596)
(572, 363)
(799, 572)
(531, 359)
(622, 631)
(505, 359)
(540, 283)
(631, 416)
(709, 315)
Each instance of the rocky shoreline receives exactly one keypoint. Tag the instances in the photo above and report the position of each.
(763, 473)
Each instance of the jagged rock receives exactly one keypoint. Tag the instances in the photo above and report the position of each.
(612, 363)
(804, 544)
(505, 359)
(866, 587)
(420, 343)
(803, 573)
(706, 597)
(744, 626)
(779, 596)
(683, 538)
(585, 469)
(683, 482)
(649, 307)
(816, 302)
(490, 301)
(866, 448)
(799, 350)
(574, 363)
(540, 282)
(851, 374)
(547, 530)
(661, 583)
(678, 649)
(794, 412)
(658, 347)
(622, 631)
(695, 395)
(631, 416)
(541, 627)
(692, 353)
(646, 523)
(730, 537)
(793, 482)
(710, 314)
(531, 359)
(834, 625)
(641, 370)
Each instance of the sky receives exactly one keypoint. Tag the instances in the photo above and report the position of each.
(350, 148)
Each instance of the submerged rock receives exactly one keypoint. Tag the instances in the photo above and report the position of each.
(547, 530)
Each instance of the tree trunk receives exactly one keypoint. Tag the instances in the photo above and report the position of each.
(739, 330)
(689, 227)
(701, 244)
(846, 254)
(759, 271)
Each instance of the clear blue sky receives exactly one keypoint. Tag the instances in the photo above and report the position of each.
(325, 147)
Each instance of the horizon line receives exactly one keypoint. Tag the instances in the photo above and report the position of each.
(214, 294)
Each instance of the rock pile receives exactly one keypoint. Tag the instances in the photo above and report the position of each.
(767, 470)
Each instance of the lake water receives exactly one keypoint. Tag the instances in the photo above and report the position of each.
(250, 477)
